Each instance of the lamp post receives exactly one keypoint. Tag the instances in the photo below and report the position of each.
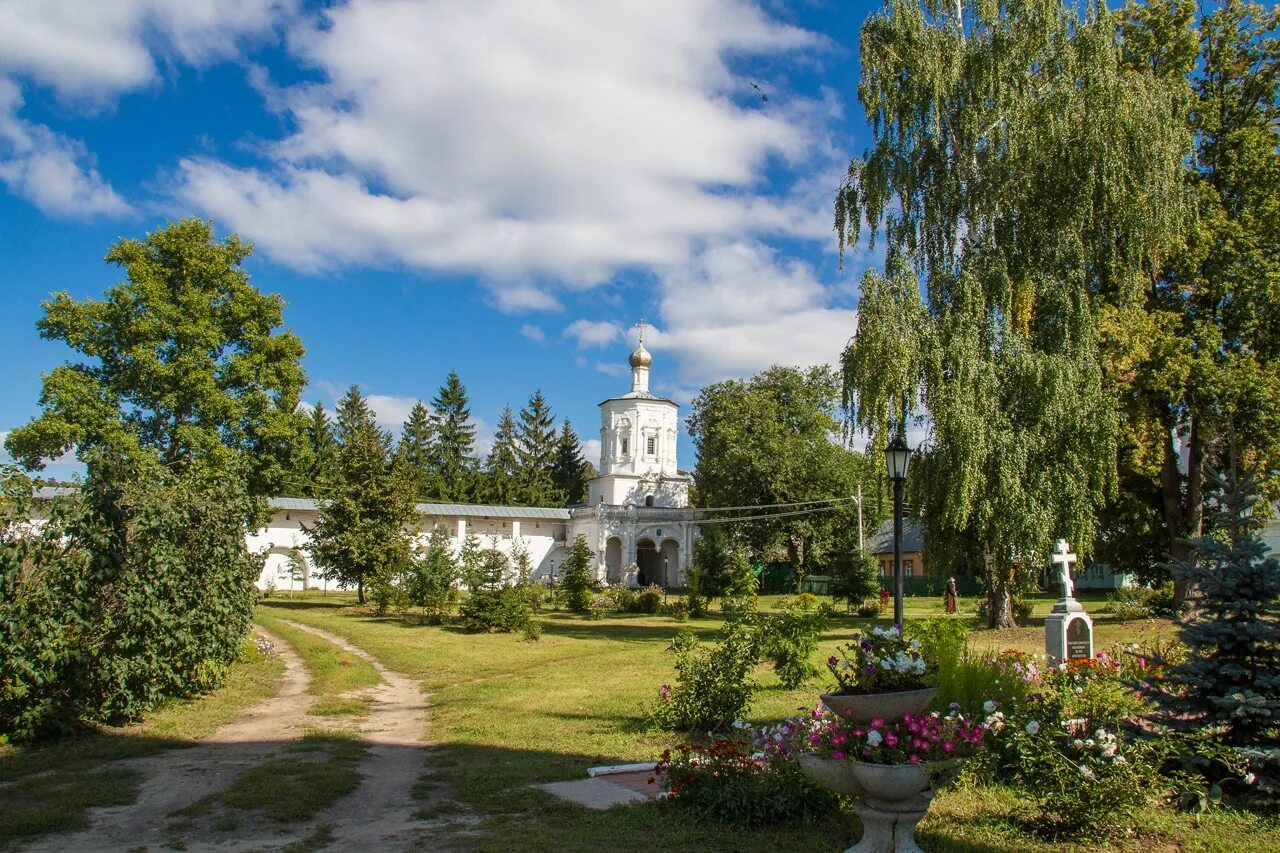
(897, 456)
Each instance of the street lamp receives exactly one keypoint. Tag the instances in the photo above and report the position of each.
(896, 457)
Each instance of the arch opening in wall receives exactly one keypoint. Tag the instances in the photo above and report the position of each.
(613, 559)
(669, 557)
(285, 569)
(648, 563)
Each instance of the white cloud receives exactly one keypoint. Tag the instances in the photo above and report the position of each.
(51, 171)
(612, 368)
(88, 53)
(591, 451)
(592, 333)
(519, 140)
(533, 333)
(522, 297)
(737, 309)
(390, 412)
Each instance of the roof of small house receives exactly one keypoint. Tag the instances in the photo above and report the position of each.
(912, 538)
(541, 513)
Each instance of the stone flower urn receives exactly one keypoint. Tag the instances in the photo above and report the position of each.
(863, 707)
(891, 799)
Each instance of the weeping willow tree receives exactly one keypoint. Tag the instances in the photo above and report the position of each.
(1025, 179)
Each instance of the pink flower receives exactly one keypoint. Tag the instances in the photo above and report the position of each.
(948, 746)
(913, 758)
(815, 740)
(858, 732)
(838, 755)
(890, 740)
(1142, 662)
(877, 722)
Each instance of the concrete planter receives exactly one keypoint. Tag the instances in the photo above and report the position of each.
(889, 784)
(892, 799)
(861, 708)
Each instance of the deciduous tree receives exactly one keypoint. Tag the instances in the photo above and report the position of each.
(1024, 176)
(186, 359)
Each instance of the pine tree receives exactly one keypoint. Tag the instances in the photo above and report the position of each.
(453, 458)
(577, 578)
(568, 471)
(361, 536)
(1230, 682)
(536, 451)
(502, 466)
(433, 575)
(416, 440)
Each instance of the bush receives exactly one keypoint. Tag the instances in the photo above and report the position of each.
(493, 604)
(577, 580)
(857, 581)
(1142, 602)
(870, 609)
(712, 690)
(137, 589)
(723, 783)
(532, 631)
(804, 602)
(789, 641)
(678, 610)
(599, 606)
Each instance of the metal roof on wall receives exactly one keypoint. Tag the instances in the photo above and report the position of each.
(540, 513)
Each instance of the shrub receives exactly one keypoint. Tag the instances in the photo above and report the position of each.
(432, 579)
(722, 782)
(712, 689)
(493, 604)
(870, 608)
(1142, 602)
(599, 606)
(856, 582)
(804, 602)
(532, 631)
(789, 641)
(137, 589)
(577, 580)
(678, 610)
(647, 600)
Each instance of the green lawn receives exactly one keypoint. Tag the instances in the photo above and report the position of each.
(48, 787)
(507, 713)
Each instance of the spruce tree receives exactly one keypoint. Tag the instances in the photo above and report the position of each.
(568, 471)
(362, 535)
(313, 464)
(453, 458)
(416, 440)
(577, 579)
(502, 466)
(1229, 685)
(536, 451)
(433, 575)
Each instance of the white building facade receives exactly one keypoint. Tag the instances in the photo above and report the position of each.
(637, 521)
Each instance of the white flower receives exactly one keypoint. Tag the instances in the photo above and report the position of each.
(1249, 778)
(1087, 772)
(1033, 727)
(1108, 750)
(1100, 734)
(738, 724)
(988, 706)
(1089, 743)
(873, 738)
(846, 665)
(1077, 743)
(885, 663)
(1119, 759)
(915, 645)
(1062, 667)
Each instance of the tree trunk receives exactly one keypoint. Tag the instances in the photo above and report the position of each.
(1183, 515)
(999, 595)
(360, 591)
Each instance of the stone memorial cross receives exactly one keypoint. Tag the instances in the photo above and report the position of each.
(1065, 559)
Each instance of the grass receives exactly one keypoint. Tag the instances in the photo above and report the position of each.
(334, 672)
(58, 801)
(506, 714)
(308, 777)
(44, 788)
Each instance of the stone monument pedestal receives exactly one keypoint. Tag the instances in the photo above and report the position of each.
(890, 828)
(1068, 631)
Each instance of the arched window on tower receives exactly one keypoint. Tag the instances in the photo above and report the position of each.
(648, 500)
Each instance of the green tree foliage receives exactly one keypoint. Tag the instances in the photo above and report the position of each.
(186, 359)
(1025, 176)
(577, 580)
(139, 588)
(415, 447)
(1197, 358)
(453, 459)
(493, 603)
(362, 536)
(770, 440)
(536, 451)
(855, 579)
(570, 471)
(1229, 685)
(315, 463)
(433, 575)
(502, 468)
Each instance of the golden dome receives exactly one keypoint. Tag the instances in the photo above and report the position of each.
(640, 357)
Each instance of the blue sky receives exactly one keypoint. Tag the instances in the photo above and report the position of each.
(500, 188)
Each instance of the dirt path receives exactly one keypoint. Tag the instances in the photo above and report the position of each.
(177, 777)
(377, 816)
(395, 727)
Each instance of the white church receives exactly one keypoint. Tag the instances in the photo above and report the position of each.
(637, 520)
